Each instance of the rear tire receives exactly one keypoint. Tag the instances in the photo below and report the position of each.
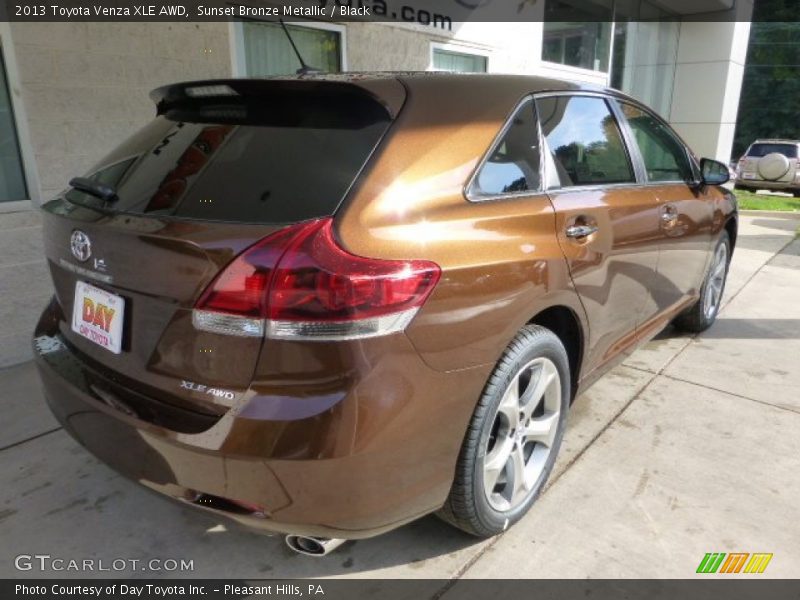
(796, 193)
(702, 314)
(514, 436)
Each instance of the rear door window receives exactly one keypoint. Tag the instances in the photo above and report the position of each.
(759, 150)
(585, 141)
(243, 160)
(512, 165)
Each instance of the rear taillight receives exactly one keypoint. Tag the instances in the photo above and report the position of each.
(300, 284)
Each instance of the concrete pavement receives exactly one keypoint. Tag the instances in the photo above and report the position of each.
(689, 447)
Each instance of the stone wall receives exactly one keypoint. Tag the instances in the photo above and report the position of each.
(85, 85)
(85, 88)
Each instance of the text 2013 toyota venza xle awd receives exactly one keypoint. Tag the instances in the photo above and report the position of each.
(329, 305)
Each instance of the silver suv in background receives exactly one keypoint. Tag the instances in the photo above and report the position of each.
(770, 165)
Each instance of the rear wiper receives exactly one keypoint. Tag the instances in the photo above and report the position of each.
(106, 193)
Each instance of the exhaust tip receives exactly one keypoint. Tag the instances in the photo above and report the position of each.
(313, 546)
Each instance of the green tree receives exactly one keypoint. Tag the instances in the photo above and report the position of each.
(770, 101)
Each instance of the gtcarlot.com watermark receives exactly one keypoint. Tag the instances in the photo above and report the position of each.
(49, 563)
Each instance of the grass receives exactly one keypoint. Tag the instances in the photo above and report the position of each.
(751, 201)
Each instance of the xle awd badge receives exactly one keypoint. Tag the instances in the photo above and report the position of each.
(80, 245)
(204, 389)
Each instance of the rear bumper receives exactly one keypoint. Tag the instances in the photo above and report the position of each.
(758, 184)
(388, 453)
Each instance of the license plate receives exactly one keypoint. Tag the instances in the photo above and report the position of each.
(749, 175)
(97, 315)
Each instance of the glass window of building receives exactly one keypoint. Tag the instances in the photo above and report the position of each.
(664, 156)
(267, 50)
(461, 62)
(578, 34)
(645, 52)
(585, 141)
(12, 175)
(584, 45)
(645, 44)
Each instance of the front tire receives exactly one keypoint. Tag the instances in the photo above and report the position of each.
(702, 314)
(514, 436)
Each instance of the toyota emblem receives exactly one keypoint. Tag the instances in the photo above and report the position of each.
(80, 245)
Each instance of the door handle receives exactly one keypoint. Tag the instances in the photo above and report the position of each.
(580, 231)
(669, 215)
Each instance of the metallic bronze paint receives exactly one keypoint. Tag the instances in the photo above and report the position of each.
(350, 439)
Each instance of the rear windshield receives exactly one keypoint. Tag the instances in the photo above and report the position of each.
(277, 159)
(788, 150)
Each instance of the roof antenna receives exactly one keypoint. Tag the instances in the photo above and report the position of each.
(304, 68)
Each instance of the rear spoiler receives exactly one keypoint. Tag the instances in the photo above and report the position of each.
(234, 100)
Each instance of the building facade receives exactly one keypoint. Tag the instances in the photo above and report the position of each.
(69, 92)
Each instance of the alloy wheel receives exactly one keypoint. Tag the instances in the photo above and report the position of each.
(716, 281)
(523, 434)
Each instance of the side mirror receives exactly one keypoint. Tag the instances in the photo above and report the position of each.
(713, 172)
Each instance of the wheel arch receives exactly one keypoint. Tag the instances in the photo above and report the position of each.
(566, 325)
(732, 227)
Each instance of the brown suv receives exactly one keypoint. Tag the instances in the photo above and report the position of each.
(327, 306)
